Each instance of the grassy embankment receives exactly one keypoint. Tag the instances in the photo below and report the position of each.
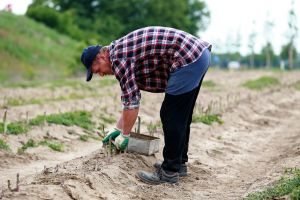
(31, 51)
(288, 187)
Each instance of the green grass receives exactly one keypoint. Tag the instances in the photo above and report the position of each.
(29, 144)
(15, 128)
(78, 118)
(72, 83)
(289, 184)
(30, 50)
(21, 102)
(297, 85)
(207, 119)
(4, 145)
(56, 146)
(261, 83)
(209, 84)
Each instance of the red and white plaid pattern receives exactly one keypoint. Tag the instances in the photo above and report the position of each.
(144, 58)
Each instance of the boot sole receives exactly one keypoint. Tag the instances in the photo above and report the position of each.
(153, 183)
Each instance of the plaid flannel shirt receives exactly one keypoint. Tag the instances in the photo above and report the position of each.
(144, 58)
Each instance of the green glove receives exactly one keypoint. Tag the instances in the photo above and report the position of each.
(121, 142)
(111, 134)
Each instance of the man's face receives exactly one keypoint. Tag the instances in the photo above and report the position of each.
(101, 65)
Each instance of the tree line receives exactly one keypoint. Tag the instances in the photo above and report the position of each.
(102, 21)
(106, 20)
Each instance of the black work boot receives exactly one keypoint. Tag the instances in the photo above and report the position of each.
(182, 172)
(158, 177)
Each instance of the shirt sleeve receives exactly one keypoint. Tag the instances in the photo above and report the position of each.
(131, 94)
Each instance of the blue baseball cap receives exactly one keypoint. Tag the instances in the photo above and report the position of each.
(87, 57)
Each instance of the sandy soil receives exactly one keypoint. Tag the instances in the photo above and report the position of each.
(259, 139)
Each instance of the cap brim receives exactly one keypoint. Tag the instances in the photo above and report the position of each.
(89, 74)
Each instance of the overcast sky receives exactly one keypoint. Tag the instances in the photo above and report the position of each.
(231, 18)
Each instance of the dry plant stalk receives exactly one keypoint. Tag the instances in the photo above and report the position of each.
(139, 125)
(1, 193)
(96, 167)
(18, 183)
(17, 188)
(105, 151)
(4, 122)
(9, 185)
(27, 117)
(56, 169)
(151, 132)
(45, 118)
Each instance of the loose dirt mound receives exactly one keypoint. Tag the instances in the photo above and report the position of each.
(258, 140)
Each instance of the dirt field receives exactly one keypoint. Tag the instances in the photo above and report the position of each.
(259, 139)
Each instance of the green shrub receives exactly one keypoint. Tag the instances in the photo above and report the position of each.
(14, 128)
(78, 118)
(289, 184)
(56, 146)
(62, 22)
(4, 145)
(207, 119)
(261, 83)
(295, 195)
(29, 144)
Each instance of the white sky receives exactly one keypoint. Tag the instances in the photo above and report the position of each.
(231, 18)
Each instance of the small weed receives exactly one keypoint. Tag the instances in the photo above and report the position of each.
(261, 83)
(152, 128)
(289, 184)
(29, 144)
(219, 137)
(53, 145)
(15, 128)
(14, 102)
(207, 119)
(78, 118)
(209, 84)
(4, 145)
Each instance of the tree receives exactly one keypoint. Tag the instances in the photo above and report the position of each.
(269, 54)
(251, 44)
(237, 45)
(269, 24)
(110, 19)
(287, 50)
(292, 34)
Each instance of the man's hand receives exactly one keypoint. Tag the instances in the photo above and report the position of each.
(121, 142)
(111, 134)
